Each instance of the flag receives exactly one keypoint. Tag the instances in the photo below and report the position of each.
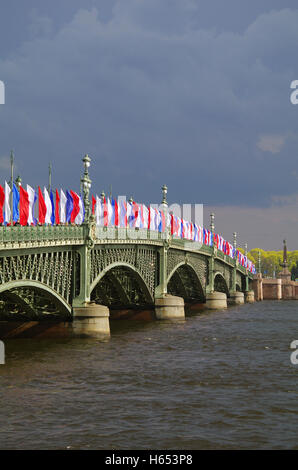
(63, 200)
(42, 208)
(115, 211)
(2, 199)
(76, 206)
(53, 208)
(68, 206)
(135, 211)
(183, 227)
(178, 226)
(162, 221)
(15, 205)
(145, 216)
(32, 199)
(123, 214)
(7, 211)
(80, 217)
(98, 211)
(57, 218)
(48, 203)
(110, 211)
(93, 204)
(172, 224)
(24, 206)
(130, 214)
(105, 212)
(152, 219)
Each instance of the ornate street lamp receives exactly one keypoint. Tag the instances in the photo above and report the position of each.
(164, 195)
(86, 185)
(235, 240)
(18, 182)
(245, 249)
(259, 262)
(212, 226)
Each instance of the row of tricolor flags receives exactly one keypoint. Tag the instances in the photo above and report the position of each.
(68, 208)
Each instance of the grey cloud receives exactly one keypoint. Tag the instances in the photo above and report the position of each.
(155, 99)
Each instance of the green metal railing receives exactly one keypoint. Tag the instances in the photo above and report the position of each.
(39, 233)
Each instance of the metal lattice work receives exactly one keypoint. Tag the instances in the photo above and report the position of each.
(142, 259)
(121, 286)
(226, 272)
(175, 257)
(184, 283)
(30, 304)
(198, 262)
(50, 268)
(200, 265)
(220, 284)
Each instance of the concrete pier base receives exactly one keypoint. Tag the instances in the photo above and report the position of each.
(257, 284)
(249, 296)
(272, 289)
(169, 307)
(236, 298)
(91, 320)
(216, 300)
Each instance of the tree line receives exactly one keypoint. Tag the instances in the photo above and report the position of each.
(271, 262)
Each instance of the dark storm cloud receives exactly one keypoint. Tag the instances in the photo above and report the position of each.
(156, 93)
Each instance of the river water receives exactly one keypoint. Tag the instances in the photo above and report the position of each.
(218, 380)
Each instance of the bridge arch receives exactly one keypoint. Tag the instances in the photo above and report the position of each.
(118, 276)
(184, 282)
(220, 284)
(58, 300)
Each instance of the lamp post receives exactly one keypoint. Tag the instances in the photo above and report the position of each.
(259, 262)
(235, 240)
(235, 265)
(86, 185)
(212, 226)
(18, 182)
(246, 277)
(164, 195)
(50, 177)
(213, 253)
(164, 204)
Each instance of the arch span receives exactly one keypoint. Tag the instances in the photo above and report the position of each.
(59, 301)
(183, 281)
(220, 284)
(121, 283)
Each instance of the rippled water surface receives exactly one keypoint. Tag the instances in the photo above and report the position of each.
(219, 380)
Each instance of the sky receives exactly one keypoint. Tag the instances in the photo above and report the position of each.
(194, 94)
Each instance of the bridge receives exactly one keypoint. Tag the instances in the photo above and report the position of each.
(83, 272)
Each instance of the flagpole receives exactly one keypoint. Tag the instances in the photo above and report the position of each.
(11, 186)
(50, 177)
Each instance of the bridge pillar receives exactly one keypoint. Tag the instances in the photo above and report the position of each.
(258, 286)
(236, 298)
(91, 320)
(249, 296)
(169, 307)
(216, 300)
